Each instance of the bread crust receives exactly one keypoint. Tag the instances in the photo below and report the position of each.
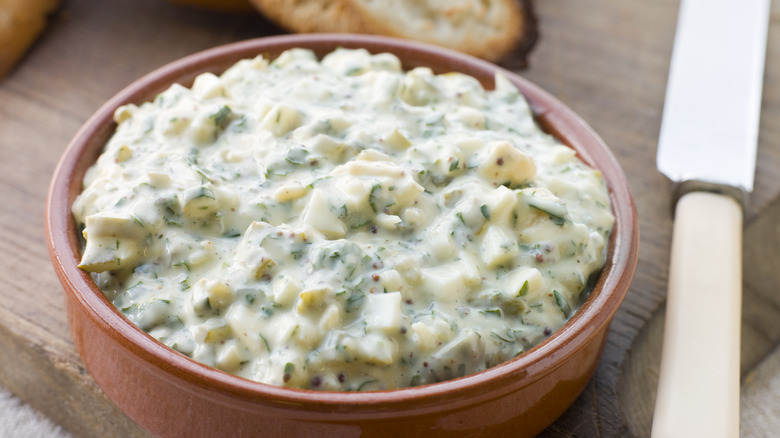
(21, 21)
(488, 29)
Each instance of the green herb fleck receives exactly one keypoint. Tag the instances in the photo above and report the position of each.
(289, 367)
(354, 301)
(297, 156)
(485, 212)
(495, 312)
(556, 217)
(562, 304)
(203, 192)
(373, 195)
(503, 338)
(364, 384)
(265, 341)
(222, 117)
(523, 289)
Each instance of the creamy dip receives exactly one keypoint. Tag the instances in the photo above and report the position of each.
(342, 224)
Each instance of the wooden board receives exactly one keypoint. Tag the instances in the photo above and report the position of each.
(607, 59)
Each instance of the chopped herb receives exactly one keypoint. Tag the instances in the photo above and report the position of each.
(130, 307)
(297, 156)
(556, 217)
(503, 338)
(137, 220)
(289, 367)
(485, 212)
(523, 289)
(358, 221)
(364, 384)
(265, 341)
(351, 273)
(202, 174)
(354, 301)
(454, 165)
(562, 303)
(222, 117)
(372, 196)
(495, 312)
(202, 192)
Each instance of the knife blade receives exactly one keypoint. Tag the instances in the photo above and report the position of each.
(707, 148)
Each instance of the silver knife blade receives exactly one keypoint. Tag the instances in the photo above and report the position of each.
(709, 130)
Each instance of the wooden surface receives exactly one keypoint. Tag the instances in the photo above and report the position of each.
(607, 59)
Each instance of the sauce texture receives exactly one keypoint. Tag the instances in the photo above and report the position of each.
(342, 224)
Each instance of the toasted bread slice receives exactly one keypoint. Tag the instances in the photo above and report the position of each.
(489, 29)
(20, 23)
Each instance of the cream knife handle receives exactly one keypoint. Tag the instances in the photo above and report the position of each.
(698, 388)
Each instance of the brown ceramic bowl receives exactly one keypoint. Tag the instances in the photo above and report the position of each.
(172, 395)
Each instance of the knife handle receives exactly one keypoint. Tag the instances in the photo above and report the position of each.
(698, 387)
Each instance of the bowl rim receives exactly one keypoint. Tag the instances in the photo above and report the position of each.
(555, 117)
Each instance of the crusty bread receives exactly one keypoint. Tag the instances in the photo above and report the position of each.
(20, 23)
(489, 29)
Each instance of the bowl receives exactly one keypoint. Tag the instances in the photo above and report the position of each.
(172, 395)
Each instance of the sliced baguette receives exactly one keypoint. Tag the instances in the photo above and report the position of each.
(489, 29)
(21, 21)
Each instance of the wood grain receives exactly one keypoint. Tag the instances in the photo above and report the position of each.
(607, 59)
(760, 355)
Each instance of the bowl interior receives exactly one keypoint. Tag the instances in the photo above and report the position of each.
(552, 115)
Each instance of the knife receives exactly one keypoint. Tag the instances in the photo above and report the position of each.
(707, 148)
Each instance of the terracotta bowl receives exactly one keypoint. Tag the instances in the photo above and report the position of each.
(172, 395)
